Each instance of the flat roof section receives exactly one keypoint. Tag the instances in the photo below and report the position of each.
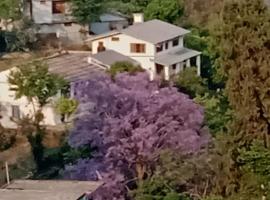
(47, 190)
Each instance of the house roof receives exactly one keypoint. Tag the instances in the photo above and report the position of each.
(104, 35)
(154, 31)
(72, 66)
(175, 56)
(107, 17)
(44, 190)
(109, 57)
(99, 27)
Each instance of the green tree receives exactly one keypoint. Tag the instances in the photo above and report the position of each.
(169, 10)
(66, 107)
(217, 111)
(86, 11)
(241, 42)
(34, 81)
(127, 6)
(10, 9)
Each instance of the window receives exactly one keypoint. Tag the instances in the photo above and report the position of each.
(58, 7)
(115, 39)
(159, 48)
(176, 42)
(42, 1)
(174, 67)
(68, 24)
(166, 45)
(101, 47)
(137, 48)
(15, 112)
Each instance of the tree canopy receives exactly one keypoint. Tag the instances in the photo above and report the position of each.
(86, 11)
(130, 120)
(169, 10)
(34, 81)
(241, 43)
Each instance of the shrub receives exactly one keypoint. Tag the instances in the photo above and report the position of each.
(124, 66)
(190, 83)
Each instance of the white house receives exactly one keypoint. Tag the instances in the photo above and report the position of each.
(72, 66)
(156, 45)
(54, 17)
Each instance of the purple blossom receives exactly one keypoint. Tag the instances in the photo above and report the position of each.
(130, 120)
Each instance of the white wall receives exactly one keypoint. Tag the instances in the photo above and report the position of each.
(7, 99)
(123, 46)
(71, 33)
(42, 12)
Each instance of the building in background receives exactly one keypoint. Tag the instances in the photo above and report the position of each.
(109, 22)
(156, 45)
(54, 17)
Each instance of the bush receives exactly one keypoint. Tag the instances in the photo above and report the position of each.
(124, 66)
(66, 107)
(21, 38)
(190, 83)
(175, 177)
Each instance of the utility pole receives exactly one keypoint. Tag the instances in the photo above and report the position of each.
(7, 173)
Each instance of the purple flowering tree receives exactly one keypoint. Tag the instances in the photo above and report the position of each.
(130, 121)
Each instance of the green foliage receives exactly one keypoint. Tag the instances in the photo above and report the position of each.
(86, 11)
(127, 6)
(189, 82)
(217, 111)
(10, 9)
(256, 160)
(169, 10)
(176, 176)
(198, 40)
(124, 66)
(34, 81)
(66, 106)
(241, 41)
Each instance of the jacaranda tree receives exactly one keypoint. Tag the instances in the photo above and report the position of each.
(130, 121)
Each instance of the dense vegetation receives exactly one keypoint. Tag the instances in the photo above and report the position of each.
(149, 140)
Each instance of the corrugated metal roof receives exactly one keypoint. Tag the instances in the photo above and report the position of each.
(109, 57)
(154, 31)
(107, 17)
(47, 190)
(73, 66)
(175, 56)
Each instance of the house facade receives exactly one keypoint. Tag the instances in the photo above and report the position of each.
(54, 17)
(72, 66)
(156, 45)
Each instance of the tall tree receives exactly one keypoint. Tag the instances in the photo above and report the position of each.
(242, 44)
(130, 120)
(86, 11)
